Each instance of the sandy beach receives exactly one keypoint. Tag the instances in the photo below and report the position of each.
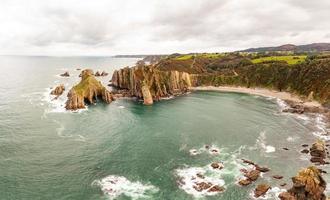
(261, 92)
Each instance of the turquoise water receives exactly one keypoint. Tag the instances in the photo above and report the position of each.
(48, 153)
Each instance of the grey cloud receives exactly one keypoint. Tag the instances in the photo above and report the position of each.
(148, 26)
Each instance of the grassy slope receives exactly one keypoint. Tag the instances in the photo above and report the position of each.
(291, 60)
(86, 84)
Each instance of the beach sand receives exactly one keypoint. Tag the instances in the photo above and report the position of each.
(260, 92)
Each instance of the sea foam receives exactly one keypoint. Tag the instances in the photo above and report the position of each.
(114, 186)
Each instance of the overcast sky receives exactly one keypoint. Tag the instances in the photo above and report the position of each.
(108, 27)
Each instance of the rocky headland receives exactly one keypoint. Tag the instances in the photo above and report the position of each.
(149, 83)
(88, 91)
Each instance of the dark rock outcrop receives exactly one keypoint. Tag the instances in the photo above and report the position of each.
(58, 91)
(65, 74)
(318, 152)
(87, 91)
(151, 84)
(307, 185)
(104, 73)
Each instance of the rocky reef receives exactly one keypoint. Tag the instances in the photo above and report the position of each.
(103, 73)
(87, 91)
(58, 91)
(307, 185)
(151, 84)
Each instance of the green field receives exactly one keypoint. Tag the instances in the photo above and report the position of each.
(184, 57)
(291, 60)
(204, 55)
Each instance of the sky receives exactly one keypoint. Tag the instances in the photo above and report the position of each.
(110, 27)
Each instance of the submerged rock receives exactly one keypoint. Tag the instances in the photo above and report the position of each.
(65, 74)
(151, 84)
(88, 90)
(277, 176)
(58, 91)
(307, 185)
(261, 190)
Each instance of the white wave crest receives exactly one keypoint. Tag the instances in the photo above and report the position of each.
(211, 149)
(189, 178)
(261, 144)
(115, 186)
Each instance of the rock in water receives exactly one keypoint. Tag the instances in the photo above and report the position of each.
(104, 73)
(261, 190)
(318, 152)
(58, 91)
(65, 74)
(307, 185)
(88, 90)
(151, 84)
(97, 73)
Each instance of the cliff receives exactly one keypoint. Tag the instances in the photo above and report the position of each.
(149, 83)
(87, 91)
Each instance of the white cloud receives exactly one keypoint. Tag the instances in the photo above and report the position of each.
(107, 27)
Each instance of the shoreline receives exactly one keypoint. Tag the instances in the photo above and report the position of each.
(286, 96)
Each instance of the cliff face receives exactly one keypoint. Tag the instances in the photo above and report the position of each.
(87, 91)
(150, 83)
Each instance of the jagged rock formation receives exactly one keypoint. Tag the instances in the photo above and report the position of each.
(307, 185)
(58, 91)
(88, 90)
(318, 152)
(103, 73)
(149, 83)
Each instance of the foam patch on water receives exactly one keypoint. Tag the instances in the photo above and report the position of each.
(261, 144)
(270, 194)
(211, 149)
(281, 104)
(322, 130)
(58, 105)
(167, 98)
(190, 177)
(121, 107)
(230, 168)
(115, 186)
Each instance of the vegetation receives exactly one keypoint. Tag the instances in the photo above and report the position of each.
(291, 60)
(297, 73)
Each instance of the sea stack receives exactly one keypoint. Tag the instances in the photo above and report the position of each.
(87, 91)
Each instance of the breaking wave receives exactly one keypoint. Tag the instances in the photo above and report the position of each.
(114, 186)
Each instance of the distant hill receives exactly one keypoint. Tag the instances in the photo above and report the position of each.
(290, 47)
